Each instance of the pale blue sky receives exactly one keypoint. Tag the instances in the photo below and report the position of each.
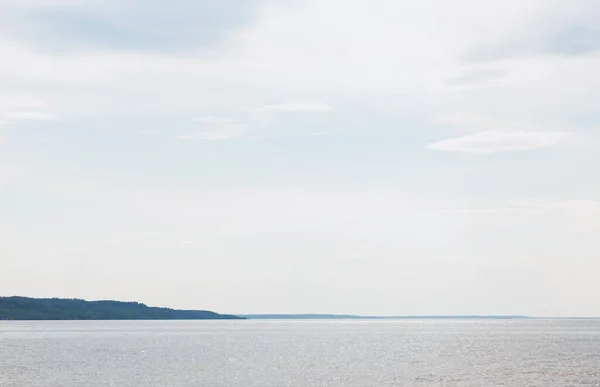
(303, 156)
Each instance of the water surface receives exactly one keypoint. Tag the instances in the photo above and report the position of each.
(482, 353)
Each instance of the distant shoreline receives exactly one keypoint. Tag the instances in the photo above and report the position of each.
(425, 317)
(17, 308)
(36, 309)
(357, 317)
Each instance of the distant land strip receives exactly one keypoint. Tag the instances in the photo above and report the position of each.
(24, 308)
(355, 317)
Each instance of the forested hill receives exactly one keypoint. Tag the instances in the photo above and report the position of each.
(23, 308)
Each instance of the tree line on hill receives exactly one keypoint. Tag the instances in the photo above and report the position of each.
(24, 308)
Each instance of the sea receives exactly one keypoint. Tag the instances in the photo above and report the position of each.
(301, 353)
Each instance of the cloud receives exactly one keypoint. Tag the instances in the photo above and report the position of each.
(267, 114)
(10, 172)
(20, 101)
(36, 4)
(496, 141)
(581, 209)
(319, 134)
(552, 29)
(218, 132)
(573, 214)
(150, 132)
(458, 119)
(575, 40)
(217, 128)
(215, 120)
(296, 107)
(518, 206)
(476, 77)
(16, 108)
(36, 116)
(184, 25)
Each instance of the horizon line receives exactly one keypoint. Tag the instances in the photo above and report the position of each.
(400, 317)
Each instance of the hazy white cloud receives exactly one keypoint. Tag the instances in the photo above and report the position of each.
(496, 142)
(533, 206)
(184, 242)
(94, 68)
(469, 121)
(570, 215)
(581, 208)
(476, 77)
(11, 172)
(318, 134)
(218, 132)
(214, 120)
(35, 116)
(550, 29)
(37, 4)
(296, 107)
(266, 115)
(20, 101)
(217, 128)
(151, 132)
(18, 108)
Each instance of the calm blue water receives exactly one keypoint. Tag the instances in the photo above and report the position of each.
(515, 353)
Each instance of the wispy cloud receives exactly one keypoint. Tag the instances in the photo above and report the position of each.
(496, 141)
(20, 116)
(119, 24)
(215, 120)
(476, 77)
(267, 114)
(558, 33)
(584, 214)
(20, 101)
(218, 132)
(296, 107)
(37, 4)
(150, 132)
(217, 128)
(519, 206)
(319, 134)
(187, 242)
(18, 108)
(11, 172)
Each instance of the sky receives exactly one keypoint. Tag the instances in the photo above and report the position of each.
(388, 157)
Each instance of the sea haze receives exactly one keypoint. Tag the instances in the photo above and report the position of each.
(292, 353)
